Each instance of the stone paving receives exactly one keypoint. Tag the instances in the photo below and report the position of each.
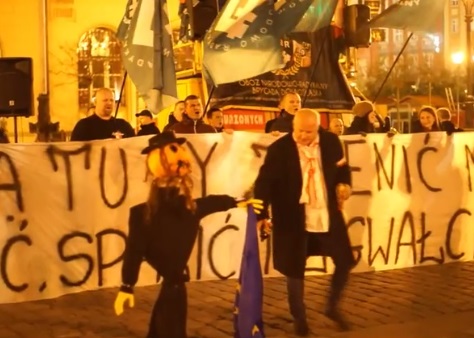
(376, 303)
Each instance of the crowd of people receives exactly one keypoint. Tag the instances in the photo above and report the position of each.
(186, 118)
(365, 119)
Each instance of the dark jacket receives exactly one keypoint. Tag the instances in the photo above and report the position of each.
(148, 129)
(171, 122)
(95, 128)
(166, 243)
(279, 184)
(3, 136)
(449, 127)
(283, 123)
(189, 126)
(362, 125)
(268, 125)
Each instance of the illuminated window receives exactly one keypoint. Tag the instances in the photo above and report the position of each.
(99, 64)
(428, 58)
(398, 36)
(454, 2)
(454, 25)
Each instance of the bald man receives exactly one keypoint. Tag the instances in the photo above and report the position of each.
(101, 124)
(336, 126)
(305, 179)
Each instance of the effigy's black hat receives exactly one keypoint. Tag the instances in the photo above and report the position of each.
(161, 140)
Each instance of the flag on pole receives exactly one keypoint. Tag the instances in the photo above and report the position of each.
(147, 52)
(319, 15)
(241, 42)
(412, 15)
(248, 322)
(244, 40)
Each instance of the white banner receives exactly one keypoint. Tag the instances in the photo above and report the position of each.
(64, 207)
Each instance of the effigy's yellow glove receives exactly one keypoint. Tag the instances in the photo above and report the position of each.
(121, 299)
(256, 204)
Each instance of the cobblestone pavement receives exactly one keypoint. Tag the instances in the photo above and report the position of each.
(424, 302)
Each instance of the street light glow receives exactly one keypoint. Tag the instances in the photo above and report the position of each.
(457, 58)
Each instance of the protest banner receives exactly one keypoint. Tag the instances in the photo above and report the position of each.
(65, 206)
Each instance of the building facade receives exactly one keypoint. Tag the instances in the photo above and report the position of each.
(74, 51)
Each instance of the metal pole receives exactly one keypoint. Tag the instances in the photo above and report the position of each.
(468, 4)
(457, 96)
(469, 56)
(208, 102)
(429, 88)
(45, 46)
(117, 106)
(391, 68)
(399, 114)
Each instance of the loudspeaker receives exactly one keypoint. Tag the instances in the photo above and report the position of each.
(16, 87)
(356, 29)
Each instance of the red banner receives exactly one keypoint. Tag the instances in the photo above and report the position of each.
(240, 119)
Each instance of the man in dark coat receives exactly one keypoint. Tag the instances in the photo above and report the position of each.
(192, 122)
(147, 125)
(290, 103)
(306, 196)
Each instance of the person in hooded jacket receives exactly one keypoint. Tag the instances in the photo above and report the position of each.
(192, 122)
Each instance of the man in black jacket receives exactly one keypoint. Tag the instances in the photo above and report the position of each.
(147, 125)
(192, 122)
(290, 103)
(305, 179)
(102, 124)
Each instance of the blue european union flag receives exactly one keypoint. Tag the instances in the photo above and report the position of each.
(248, 322)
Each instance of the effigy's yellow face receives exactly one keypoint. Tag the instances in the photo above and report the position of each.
(172, 160)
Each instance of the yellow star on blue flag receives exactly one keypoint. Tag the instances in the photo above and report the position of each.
(248, 304)
(255, 330)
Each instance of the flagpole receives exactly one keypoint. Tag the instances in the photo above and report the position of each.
(392, 67)
(313, 70)
(209, 98)
(208, 101)
(117, 106)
